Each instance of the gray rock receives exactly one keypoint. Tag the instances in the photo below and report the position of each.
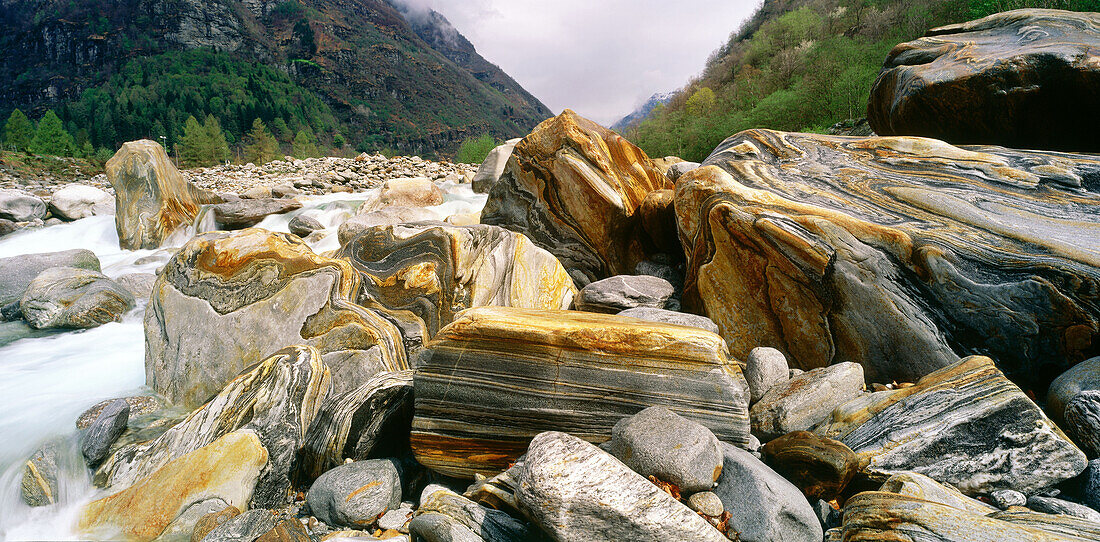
(671, 317)
(387, 215)
(707, 503)
(17, 272)
(574, 491)
(657, 442)
(7, 226)
(826, 514)
(244, 528)
(434, 527)
(256, 192)
(76, 201)
(39, 483)
(661, 268)
(1004, 498)
(249, 212)
(492, 167)
(1082, 421)
(11, 312)
(1081, 377)
(104, 431)
(183, 526)
(621, 292)
(354, 494)
(303, 225)
(680, 168)
(20, 206)
(764, 506)
(396, 520)
(1051, 505)
(140, 285)
(489, 524)
(1090, 485)
(68, 297)
(805, 400)
(765, 368)
(285, 191)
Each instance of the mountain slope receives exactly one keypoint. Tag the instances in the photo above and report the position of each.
(642, 111)
(386, 85)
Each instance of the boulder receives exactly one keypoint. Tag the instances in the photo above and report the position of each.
(665, 316)
(819, 466)
(385, 216)
(76, 201)
(1081, 377)
(573, 187)
(227, 469)
(965, 425)
(486, 523)
(17, 272)
(574, 491)
(657, 442)
(764, 369)
(800, 403)
(183, 526)
(68, 297)
(246, 213)
(38, 486)
(104, 431)
(1082, 421)
(355, 494)
(20, 206)
(408, 192)
(1051, 505)
(492, 167)
(896, 253)
(303, 225)
(434, 271)
(152, 200)
(763, 505)
(226, 301)
(140, 285)
(276, 400)
(621, 292)
(1090, 485)
(497, 376)
(1022, 78)
(922, 487)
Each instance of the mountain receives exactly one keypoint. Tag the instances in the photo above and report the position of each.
(642, 111)
(353, 70)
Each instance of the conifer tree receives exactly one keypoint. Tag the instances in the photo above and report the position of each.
(193, 143)
(18, 131)
(51, 137)
(261, 144)
(304, 145)
(219, 147)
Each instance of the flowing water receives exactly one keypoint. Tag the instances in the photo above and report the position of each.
(48, 378)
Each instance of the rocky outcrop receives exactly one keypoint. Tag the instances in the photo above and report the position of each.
(76, 201)
(152, 200)
(497, 376)
(17, 272)
(1026, 78)
(964, 425)
(226, 301)
(490, 170)
(573, 187)
(68, 297)
(277, 399)
(895, 253)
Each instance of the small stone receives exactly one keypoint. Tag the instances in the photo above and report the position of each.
(354, 494)
(303, 225)
(657, 442)
(104, 431)
(653, 314)
(621, 292)
(764, 368)
(397, 520)
(1005, 498)
(706, 503)
(1051, 505)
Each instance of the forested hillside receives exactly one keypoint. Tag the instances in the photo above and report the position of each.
(801, 65)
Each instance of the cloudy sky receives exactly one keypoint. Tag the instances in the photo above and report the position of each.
(601, 58)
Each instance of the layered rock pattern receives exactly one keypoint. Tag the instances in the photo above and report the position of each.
(497, 376)
(1027, 78)
(227, 301)
(574, 187)
(896, 253)
(152, 200)
(964, 425)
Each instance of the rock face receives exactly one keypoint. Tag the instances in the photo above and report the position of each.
(896, 253)
(68, 297)
(573, 187)
(1025, 78)
(657, 442)
(820, 466)
(76, 201)
(964, 425)
(225, 469)
(575, 492)
(226, 301)
(246, 213)
(17, 272)
(277, 400)
(434, 271)
(498, 376)
(353, 495)
(19, 206)
(763, 505)
(152, 200)
(492, 167)
(801, 402)
(621, 292)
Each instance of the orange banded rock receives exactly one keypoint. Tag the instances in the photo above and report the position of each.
(496, 377)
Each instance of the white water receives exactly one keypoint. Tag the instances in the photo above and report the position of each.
(47, 382)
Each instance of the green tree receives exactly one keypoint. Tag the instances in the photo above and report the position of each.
(473, 150)
(261, 146)
(193, 143)
(18, 131)
(51, 137)
(219, 147)
(304, 145)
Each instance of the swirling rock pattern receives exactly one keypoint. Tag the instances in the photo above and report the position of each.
(1027, 78)
(433, 271)
(896, 253)
(226, 301)
(152, 199)
(278, 399)
(574, 187)
(964, 425)
(497, 376)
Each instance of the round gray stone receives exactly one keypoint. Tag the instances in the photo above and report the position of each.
(621, 292)
(1004, 498)
(765, 368)
(707, 503)
(354, 494)
(666, 316)
(302, 225)
(657, 442)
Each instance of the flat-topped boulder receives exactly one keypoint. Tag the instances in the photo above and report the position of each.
(246, 213)
(897, 253)
(497, 376)
(574, 187)
(1026, 78)
(152, 199)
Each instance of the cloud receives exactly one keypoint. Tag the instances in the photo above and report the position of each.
(600, 58)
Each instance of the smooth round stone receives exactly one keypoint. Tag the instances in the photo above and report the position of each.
(354, 494)
(68, 297)
(707, 503)
(76, 201)
(653, 314)
(820, 466)
(621, 292)
(302, 225)
(764, 368)
(657, 442)
(20, 206)
(1005, 498)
